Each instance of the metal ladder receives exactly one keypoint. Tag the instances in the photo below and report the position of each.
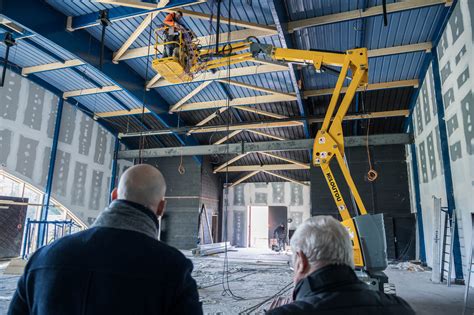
(469, 271)
(447, 246)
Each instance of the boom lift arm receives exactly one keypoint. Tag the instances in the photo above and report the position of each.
(329, 141)
(366, 230)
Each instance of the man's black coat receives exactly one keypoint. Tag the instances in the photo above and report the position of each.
(107, 271)
(334, 290)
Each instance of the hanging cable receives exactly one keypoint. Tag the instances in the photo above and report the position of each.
(9, 41)
(225, 275)
(104, 21)
(142, 140)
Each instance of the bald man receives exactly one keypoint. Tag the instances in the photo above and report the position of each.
(118, 266)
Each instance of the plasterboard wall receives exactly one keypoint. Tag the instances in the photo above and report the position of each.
(456, 62)
(85, 149)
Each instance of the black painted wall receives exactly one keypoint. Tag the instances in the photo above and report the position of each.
(389, 194)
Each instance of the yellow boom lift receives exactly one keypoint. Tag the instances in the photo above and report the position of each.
(366, 230)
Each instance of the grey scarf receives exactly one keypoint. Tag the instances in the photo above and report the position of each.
(127, 215)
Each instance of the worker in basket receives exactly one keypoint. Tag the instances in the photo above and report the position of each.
(173, 29)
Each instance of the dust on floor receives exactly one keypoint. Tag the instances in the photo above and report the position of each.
(255, 276)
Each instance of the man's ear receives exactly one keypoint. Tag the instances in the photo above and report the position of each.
(161, 208)
(303, 265)
(114, 194)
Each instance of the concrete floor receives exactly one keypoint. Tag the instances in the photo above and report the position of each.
(256, 275)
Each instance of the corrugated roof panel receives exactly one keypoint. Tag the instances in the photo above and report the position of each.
(98, 103)
(65, 79)
(26, 55)
(74, 8)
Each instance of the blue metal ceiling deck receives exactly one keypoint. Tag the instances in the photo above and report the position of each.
(404, 28)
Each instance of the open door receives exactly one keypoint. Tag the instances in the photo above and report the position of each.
(276, 216)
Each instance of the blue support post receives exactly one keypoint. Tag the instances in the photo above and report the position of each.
(416, 188)
(49, 182)
(114, 168)
(447, 11)
(25, 238)
(448, 176)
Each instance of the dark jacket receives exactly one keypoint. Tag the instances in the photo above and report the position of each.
(279, 232)
(109, 270)
(337, 290)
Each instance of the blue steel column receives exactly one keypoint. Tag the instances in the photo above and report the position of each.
(416, 188)
(448, 176)
(114, 167)
(49, 182)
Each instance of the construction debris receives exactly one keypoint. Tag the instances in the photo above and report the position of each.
(409, 266)
(211, 249)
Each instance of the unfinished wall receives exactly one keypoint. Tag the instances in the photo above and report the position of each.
(295, 197)
(456, 63)
(185, 195)
(388, 194)
(84, 157)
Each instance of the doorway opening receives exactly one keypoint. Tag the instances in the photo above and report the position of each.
(263, 221)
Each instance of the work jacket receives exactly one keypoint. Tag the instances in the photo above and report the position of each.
(334, 290)
(116, 267)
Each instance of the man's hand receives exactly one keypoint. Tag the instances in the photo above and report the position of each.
(280, 301)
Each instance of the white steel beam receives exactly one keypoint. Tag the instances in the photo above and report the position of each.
(403, 49)
(191, 94)
(136, 33)
(357, 14)
(370, 87)
(227, 137)
(260, 112)
(104, 89)
(285, 159)
(234, 159)
(51, 66)
(266, 167)
(263, 125)
(243, 178)
(261, 133)
(260, 99)
(286, 178)
(204, 41)
(224, 74)
(254, 87)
